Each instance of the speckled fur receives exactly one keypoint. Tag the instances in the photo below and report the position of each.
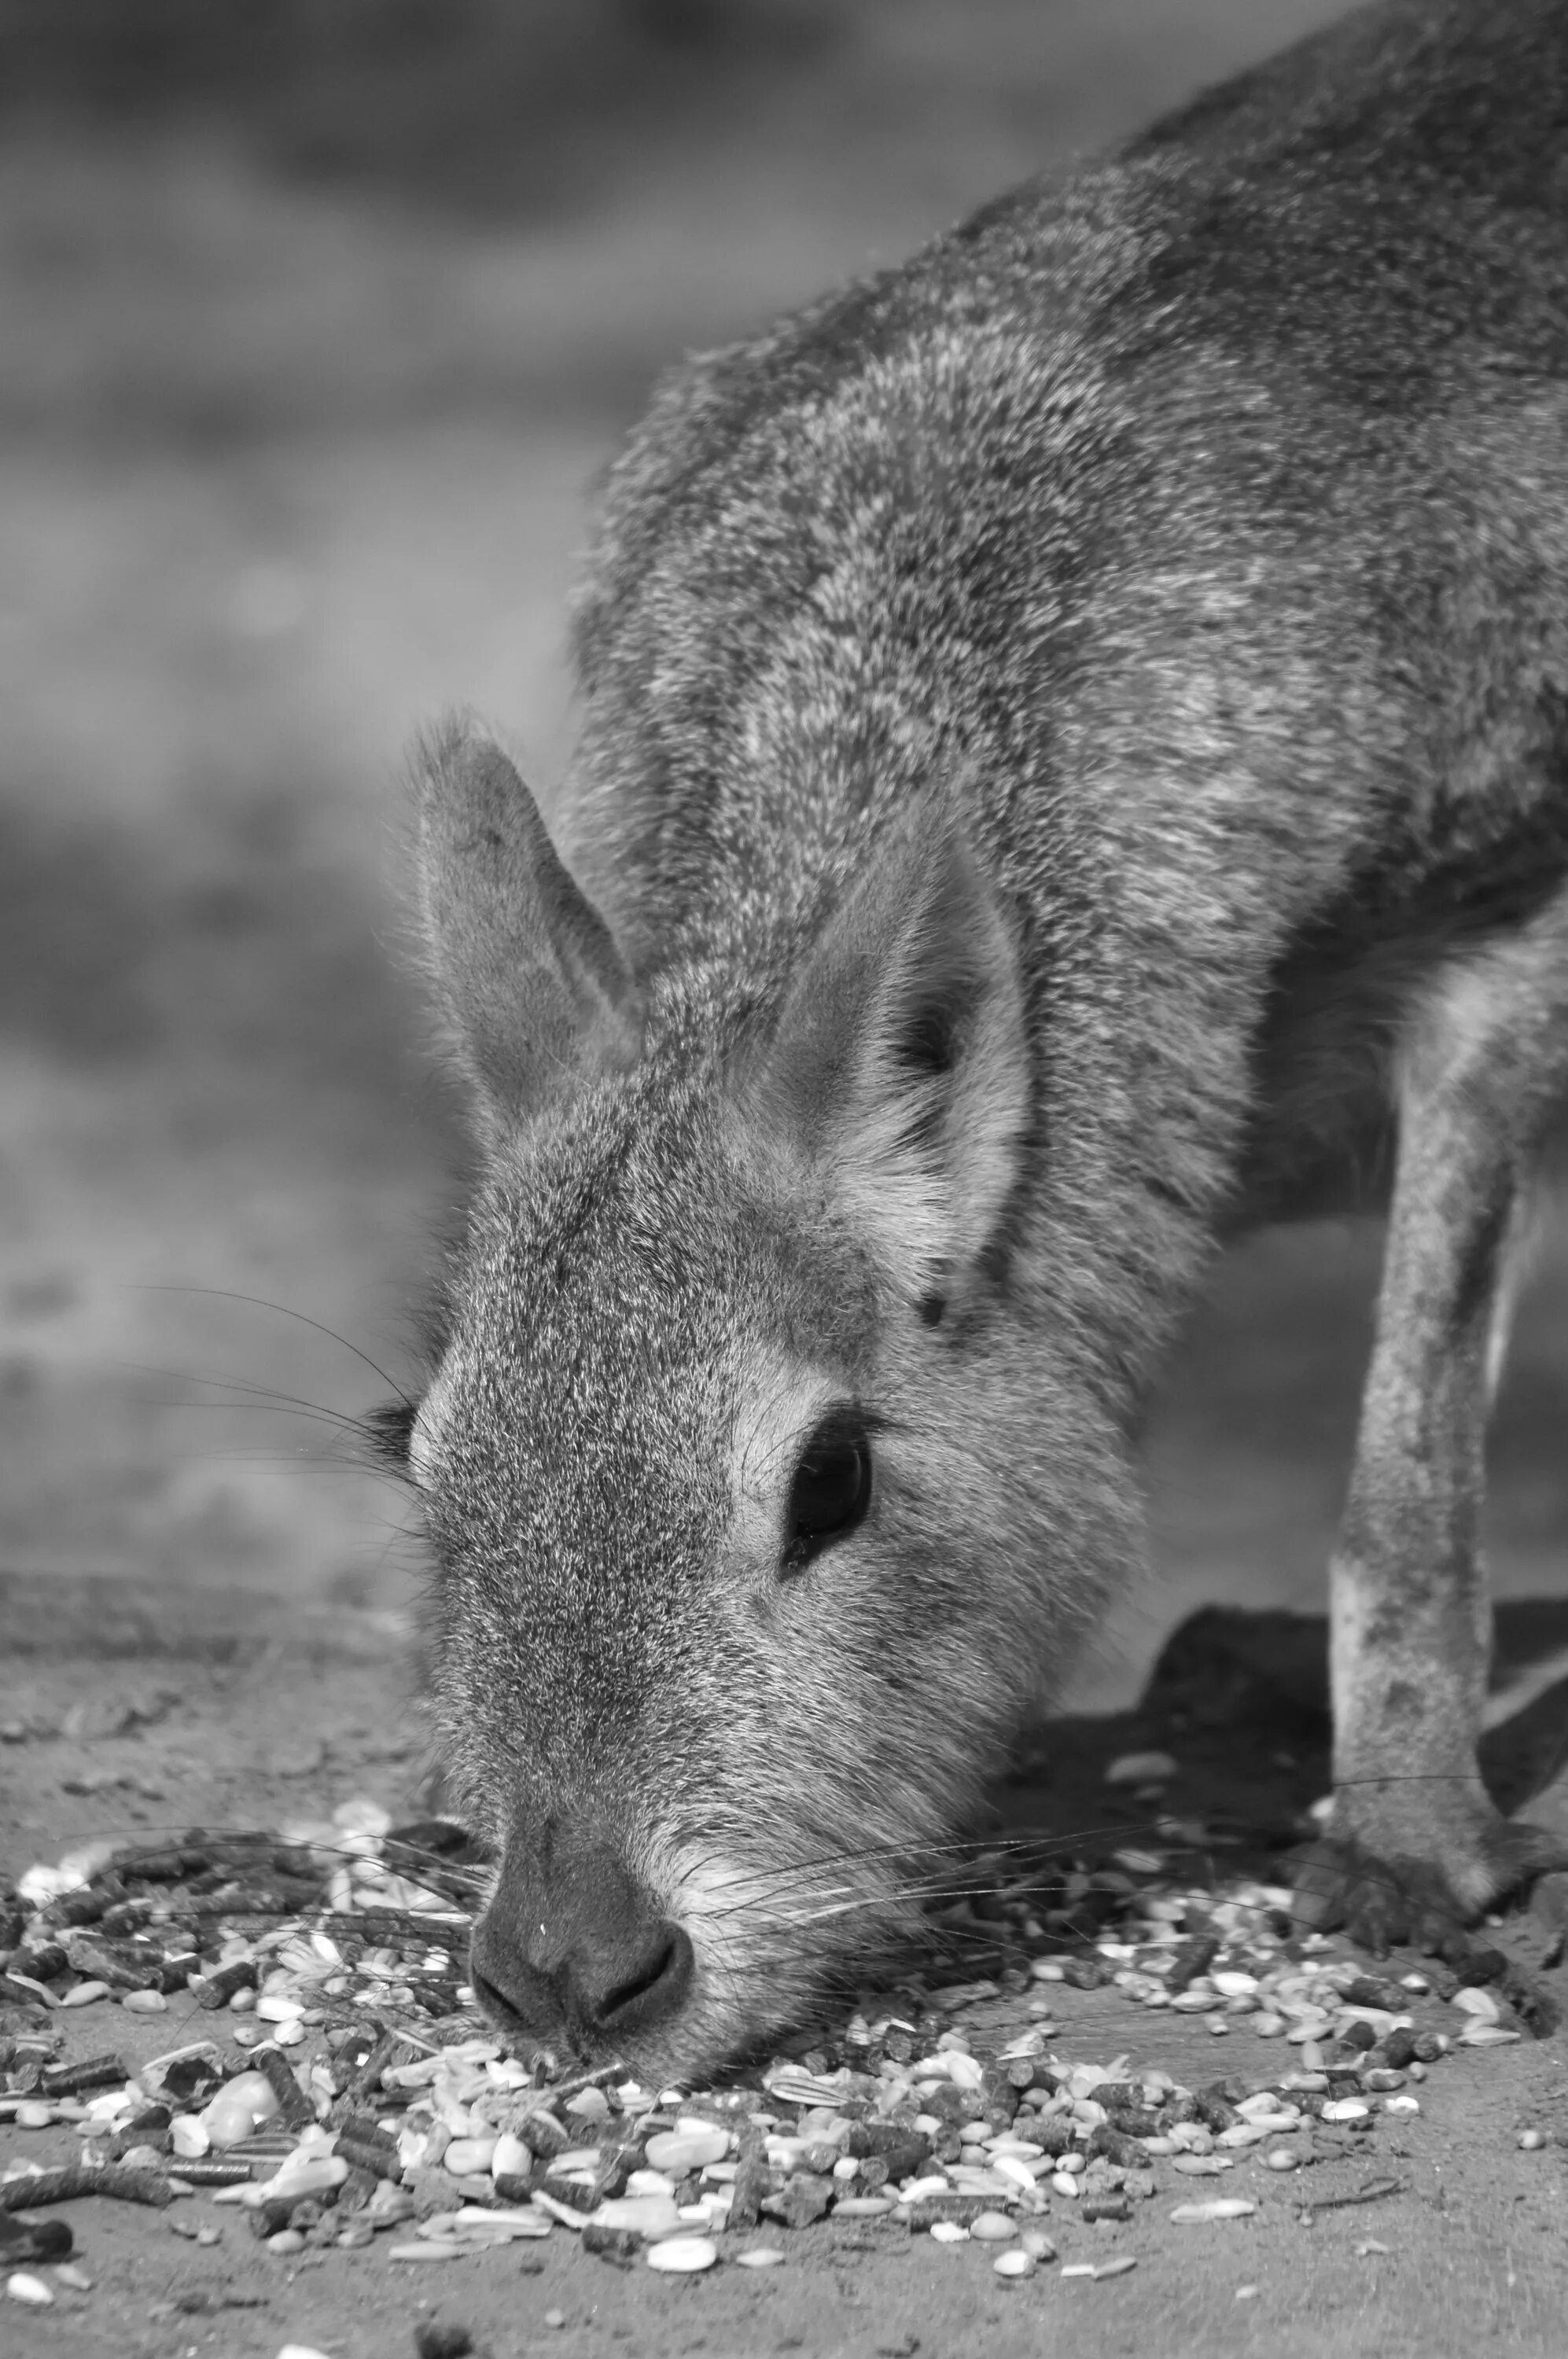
(1180, 555)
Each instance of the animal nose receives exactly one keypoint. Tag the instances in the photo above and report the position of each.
(574, 1942)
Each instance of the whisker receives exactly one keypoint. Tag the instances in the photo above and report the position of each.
(283, 1310)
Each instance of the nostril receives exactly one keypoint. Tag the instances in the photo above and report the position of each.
(656, 1986)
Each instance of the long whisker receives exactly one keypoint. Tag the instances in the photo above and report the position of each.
(283, 1310)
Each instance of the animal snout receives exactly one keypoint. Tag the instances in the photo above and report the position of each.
(574, 1944)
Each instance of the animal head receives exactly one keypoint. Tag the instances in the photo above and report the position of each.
(741, 1453)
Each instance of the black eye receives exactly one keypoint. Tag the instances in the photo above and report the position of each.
(832, 1489)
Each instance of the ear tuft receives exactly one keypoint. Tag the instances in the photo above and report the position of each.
(528, 974)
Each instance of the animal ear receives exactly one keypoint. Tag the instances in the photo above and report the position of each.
(527, 974)
(900, 1067)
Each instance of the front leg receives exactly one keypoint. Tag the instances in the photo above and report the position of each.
(1415, 1848)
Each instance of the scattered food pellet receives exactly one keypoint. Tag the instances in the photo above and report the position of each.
(760, 2256)
(1247, 2293)
(1219, 2207)
(77, 2279)
(1531, 2141)
(1016, 2263)
(992, 2228)
(1368, 2247)
(681, 2256)
(555, 2318)
(22, 2285)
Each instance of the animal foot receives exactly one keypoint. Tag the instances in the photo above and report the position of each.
(1384, 1897)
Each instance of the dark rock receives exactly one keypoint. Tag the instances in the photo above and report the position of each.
(22, 2241)
(432, 2340)
(1104, 2207)
(804, 2197)
(620, 2246)
(905, 2151)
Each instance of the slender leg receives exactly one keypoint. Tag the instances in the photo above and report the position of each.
(1416, 1846)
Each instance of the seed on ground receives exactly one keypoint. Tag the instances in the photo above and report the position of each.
(1219, 2207)
(992, 2228)
(1282, 2159)
(949, 2232)
(1016, 2263)
(22, 2285)
(679, 2151)
(1531, 2141)
(681, 2256)
(760, 2256)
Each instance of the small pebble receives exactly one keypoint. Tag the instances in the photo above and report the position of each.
(432, 2340)
(22, 2285)
(1016, 2263)
(679, 2151)
(760, 2256)
(1140, 1769)
(84, 1995)
(510, 2158)
(678, 2257)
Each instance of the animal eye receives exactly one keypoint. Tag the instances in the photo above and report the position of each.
(832, 1489)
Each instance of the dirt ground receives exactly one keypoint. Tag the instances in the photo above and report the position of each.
(302, 397)
(1463, 2251)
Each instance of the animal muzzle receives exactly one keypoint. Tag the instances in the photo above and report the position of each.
(575, 1948)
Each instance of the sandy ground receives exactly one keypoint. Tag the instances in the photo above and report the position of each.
(1462, 2251)
(290, 460)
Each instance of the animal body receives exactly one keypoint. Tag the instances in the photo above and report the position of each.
(1075, 750)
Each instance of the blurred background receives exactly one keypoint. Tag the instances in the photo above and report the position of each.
(321, 317)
